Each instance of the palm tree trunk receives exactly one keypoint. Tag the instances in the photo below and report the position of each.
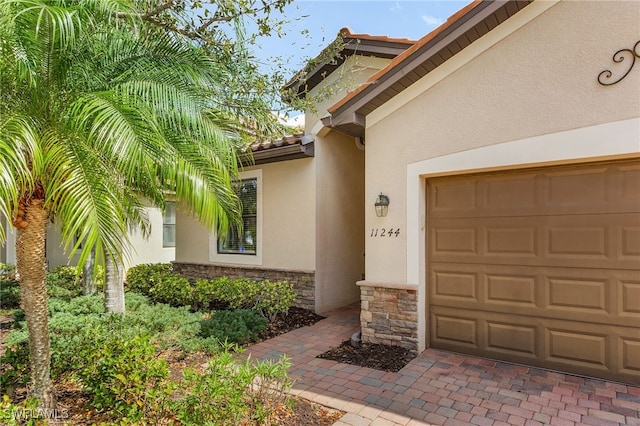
(113, 286)
(89, 286)
(30, 259)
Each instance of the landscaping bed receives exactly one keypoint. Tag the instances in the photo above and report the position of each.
(375, 356)
(161, 364)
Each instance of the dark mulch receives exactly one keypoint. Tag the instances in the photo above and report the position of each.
(295, 318)
(375, 356)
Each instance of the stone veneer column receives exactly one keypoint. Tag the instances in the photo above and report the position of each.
(389, 314)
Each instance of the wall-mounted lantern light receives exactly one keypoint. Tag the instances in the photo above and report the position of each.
(382, 205)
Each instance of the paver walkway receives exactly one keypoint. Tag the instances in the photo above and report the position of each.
(441, 388)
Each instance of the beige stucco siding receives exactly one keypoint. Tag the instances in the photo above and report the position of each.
(532, 77)
(289, 215)
(286, 214)
(340, 212)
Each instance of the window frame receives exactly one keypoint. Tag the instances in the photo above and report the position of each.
(242, 258)
(165, 225)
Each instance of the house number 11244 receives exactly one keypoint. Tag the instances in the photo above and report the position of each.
(391, 232)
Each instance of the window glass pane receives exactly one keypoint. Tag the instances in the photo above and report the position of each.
(169, 236)
(169, 225)
(169, 215)
(243, 240)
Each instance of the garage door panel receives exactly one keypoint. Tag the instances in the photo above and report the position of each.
(538, 266)
(510, 241)
(455, 286)
(512, 339)
(586, 349)
(455, 241)
(511, 289)
(565, 188)
(588, 296)
(575, 241)
(628, 184)
(454, 329)
(629, 355)
(629, 299)
(630, 242)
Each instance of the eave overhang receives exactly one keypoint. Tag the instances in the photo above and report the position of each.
(282, 153)
(354, 44)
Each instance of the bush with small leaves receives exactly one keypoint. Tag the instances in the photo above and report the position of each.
(141, 278)
(124, 376)
(172, 289)
(7, 272)
(9, 294)
(232, 392)
(267, 297)
(14, 366)
(23, 413)
(240, 326)
(274, 298)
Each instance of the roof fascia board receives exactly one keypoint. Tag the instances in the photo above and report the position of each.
(421, 55)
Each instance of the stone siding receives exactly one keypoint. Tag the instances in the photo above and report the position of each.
(303, 282)
(389, 315)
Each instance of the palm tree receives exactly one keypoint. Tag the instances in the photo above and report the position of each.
(96, 115)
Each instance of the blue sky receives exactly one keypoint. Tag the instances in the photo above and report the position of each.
(324, 18)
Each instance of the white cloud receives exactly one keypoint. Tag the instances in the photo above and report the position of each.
(432, 21)
(396, 7)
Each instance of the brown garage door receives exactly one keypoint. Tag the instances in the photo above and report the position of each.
(538, 266)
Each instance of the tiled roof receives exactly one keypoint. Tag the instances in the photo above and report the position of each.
(287, 148)
(284, 141)
(346, 33)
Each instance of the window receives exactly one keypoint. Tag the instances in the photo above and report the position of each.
(243, 240)
(169, 224)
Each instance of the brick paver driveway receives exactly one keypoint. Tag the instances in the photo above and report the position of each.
(441, 388)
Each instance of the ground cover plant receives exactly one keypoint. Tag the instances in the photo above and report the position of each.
(158, 363)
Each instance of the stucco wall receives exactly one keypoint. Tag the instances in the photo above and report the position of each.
(142, 250)
(532, 77)
(288, 217)
(340, 227)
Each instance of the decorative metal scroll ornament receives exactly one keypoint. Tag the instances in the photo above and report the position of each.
(605, 77)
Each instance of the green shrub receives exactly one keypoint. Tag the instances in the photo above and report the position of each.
(7, 272)
(9, 294)
(64, 282)
(240, 326)
(14, 366)
(124, 376)
(20, 414)
(274, 298)
(232, 392)
(204, 294)
(268, 298)
(171, 289)
(141, 278)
